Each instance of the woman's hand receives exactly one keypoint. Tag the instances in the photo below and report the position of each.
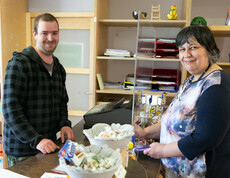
(139, 132)
(155, 151)
(158, 150)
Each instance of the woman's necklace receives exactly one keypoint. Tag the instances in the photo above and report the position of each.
(200, 75)
(189, 82)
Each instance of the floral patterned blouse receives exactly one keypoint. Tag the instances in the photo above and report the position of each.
(179, 120)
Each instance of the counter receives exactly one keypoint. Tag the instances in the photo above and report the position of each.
(37, 165)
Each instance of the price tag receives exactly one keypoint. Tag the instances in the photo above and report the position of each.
(121, 172)
(154, 100)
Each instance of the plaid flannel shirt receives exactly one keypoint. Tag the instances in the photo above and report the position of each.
(34, 103)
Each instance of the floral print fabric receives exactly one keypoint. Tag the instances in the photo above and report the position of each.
(179, 121)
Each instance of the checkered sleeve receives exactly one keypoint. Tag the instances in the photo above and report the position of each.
(64, 110)
(14, 92)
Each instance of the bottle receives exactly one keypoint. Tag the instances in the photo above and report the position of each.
(1, 148)
(131, 151)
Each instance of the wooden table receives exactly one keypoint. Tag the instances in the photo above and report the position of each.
(35, 166)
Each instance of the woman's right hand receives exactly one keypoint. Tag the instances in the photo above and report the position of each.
(139, 132)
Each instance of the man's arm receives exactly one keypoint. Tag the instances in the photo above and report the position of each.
(13, 99)
(64, 100)
(65, 124)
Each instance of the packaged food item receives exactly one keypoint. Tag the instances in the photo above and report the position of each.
(131, 151)
(72, 152)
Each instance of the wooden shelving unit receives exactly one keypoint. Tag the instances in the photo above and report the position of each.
(220, 30)
(130, 92)
(104, 23)
(115, 58)
(138, 58)
(133, 23)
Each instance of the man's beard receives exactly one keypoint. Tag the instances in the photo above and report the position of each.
(48, 50)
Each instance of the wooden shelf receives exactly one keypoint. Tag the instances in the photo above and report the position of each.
(115, 91)
(138, 58)
(76, 113)
(223, 63)
(130, 92)
(158, 59)
(133, 23)
(103, 27)
(116, 58)
(220, 30)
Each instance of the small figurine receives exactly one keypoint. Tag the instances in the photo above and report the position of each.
(198, 21)
(172, 14)
(155, 12)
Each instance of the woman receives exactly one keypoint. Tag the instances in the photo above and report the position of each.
(195, 129)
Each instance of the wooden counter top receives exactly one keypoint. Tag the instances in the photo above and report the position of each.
(37, 165)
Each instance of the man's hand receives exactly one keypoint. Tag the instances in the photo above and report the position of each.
(66, 131)
(47, 146)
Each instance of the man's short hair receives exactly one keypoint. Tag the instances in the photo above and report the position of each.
(44, 17)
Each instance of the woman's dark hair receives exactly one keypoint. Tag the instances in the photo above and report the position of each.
(44, 17)
(204, 36)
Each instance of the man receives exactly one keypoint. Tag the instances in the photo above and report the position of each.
(35, 97)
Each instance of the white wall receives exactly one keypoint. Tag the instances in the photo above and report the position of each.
(215, 13)
(60, 5)
(123, 9)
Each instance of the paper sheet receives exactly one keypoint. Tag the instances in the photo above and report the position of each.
(9, 174)
(52, 175)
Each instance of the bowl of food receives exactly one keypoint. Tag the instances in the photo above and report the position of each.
(143, 15)
(116, 136)
(90, 161)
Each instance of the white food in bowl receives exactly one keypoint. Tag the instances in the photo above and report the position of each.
(108, 162)
(115, 136)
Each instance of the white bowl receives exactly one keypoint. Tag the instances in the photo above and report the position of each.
(76, 172)
(114, 143)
